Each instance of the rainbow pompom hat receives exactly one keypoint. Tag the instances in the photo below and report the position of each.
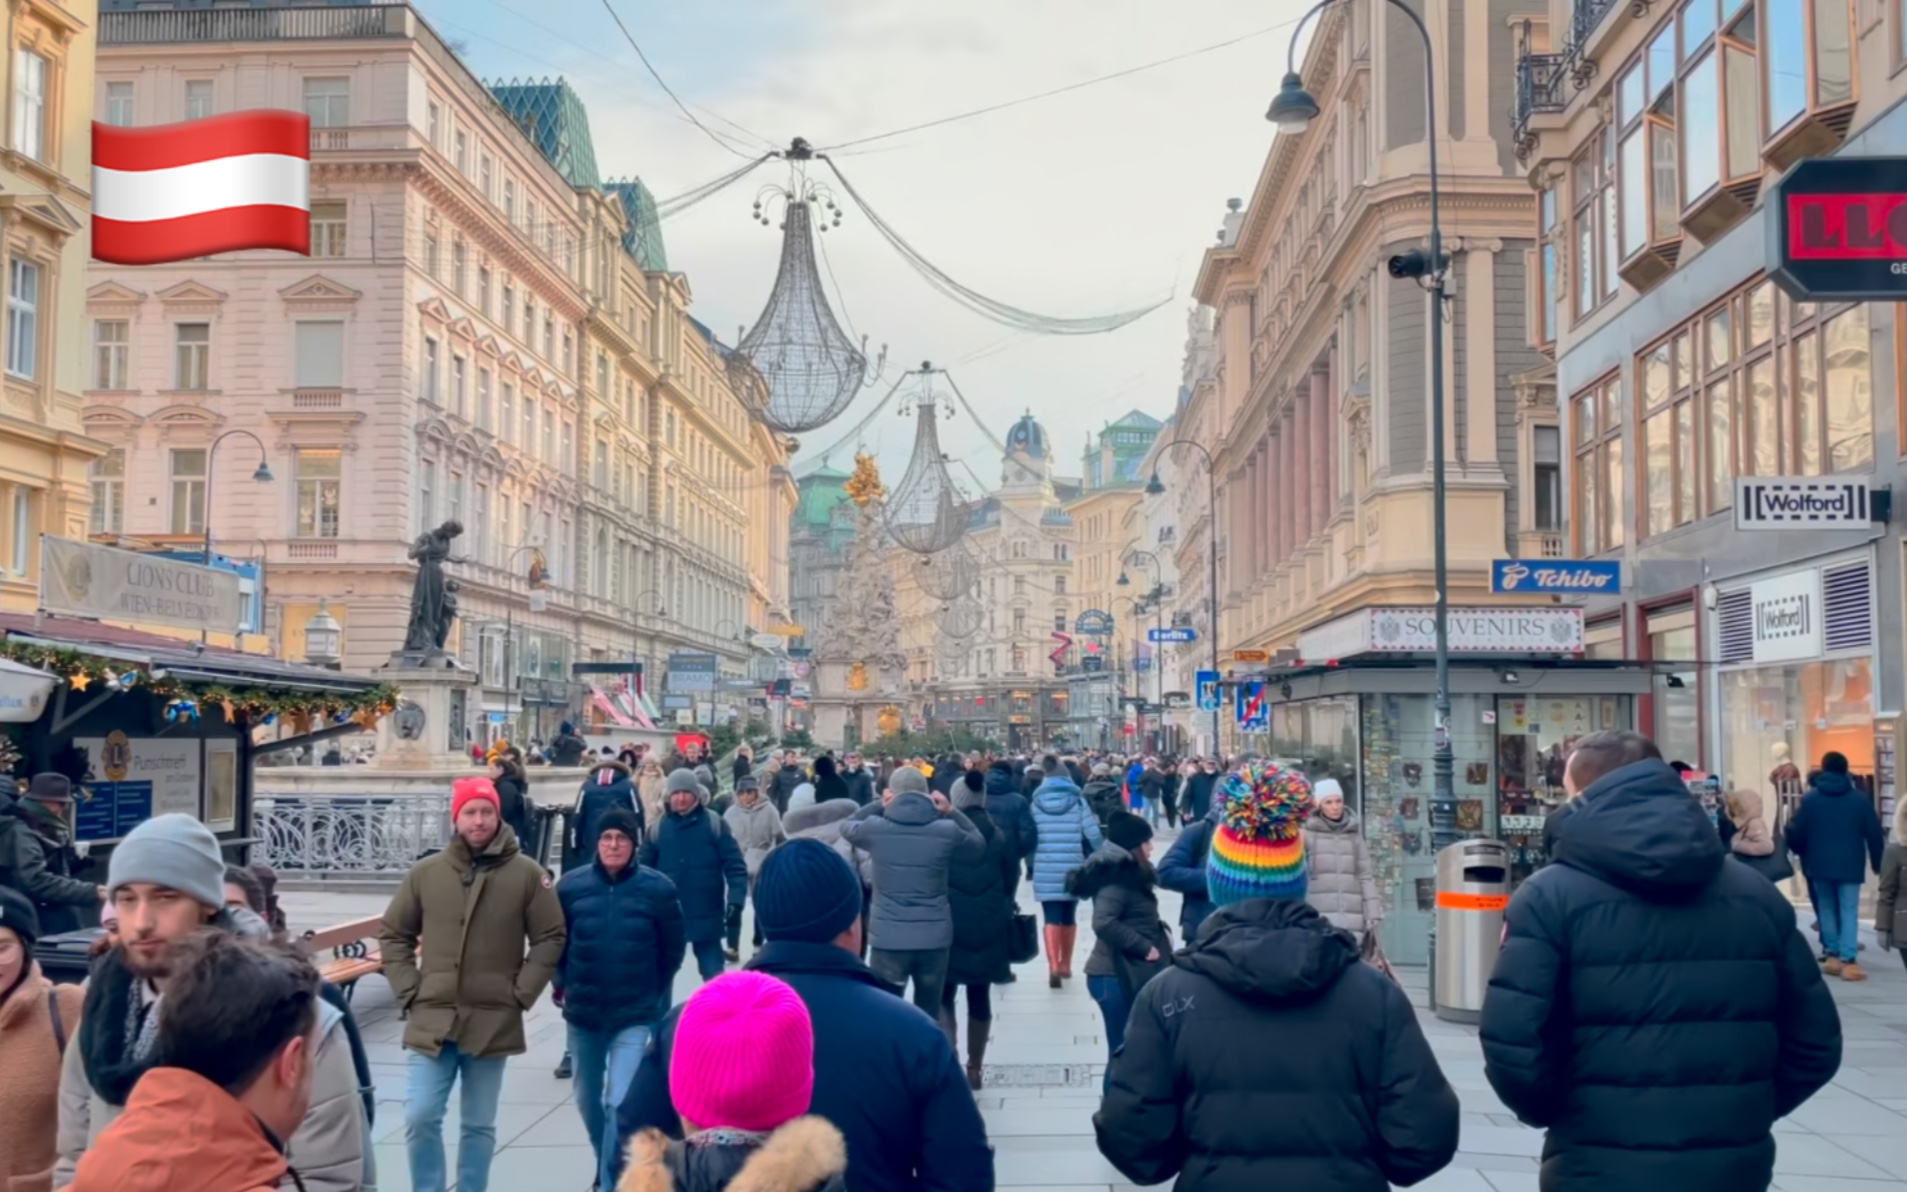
(1258, 847)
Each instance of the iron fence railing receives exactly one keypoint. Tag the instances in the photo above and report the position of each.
(365, 836)
(1584, 19)
(1540, 87)
(173, 25)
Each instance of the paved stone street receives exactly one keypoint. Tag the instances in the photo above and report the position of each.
(1043, 1071)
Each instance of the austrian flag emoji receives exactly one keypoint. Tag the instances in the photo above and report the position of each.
(176, 191)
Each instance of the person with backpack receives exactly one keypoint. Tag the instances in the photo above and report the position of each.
(36, 1019)
(609, 785)
(693, 848)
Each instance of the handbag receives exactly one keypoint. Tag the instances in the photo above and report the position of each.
(1776, 866)
(1023, 939)
(1373, 955)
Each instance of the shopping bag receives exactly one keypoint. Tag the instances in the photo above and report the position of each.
(1023, 939)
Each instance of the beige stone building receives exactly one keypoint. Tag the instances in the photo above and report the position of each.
(45, 210)
(485, 332)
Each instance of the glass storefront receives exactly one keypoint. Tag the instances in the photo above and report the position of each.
(1808, 708)
(1676, 693)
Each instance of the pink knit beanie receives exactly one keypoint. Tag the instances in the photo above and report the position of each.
(743, 1057)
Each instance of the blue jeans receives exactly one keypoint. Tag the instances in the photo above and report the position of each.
(709, 960)
(427, 1095)
(1839, 905)
(1112, 1004)
(606, 1062)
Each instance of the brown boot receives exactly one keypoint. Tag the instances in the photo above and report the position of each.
(1069, 936)
(977, 1051)
(1832, 966)
(1054, 942)
(1852, 972)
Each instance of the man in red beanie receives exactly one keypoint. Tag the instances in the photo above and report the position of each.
(474, 905)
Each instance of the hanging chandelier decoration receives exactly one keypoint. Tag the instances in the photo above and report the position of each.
(952, 573)
(962, 618)
(796, 369)
(926, 512)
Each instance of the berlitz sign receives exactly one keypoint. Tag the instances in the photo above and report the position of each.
(1837, 230)
(1779, 503)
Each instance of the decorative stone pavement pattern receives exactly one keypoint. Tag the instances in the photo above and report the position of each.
(1047, 1052)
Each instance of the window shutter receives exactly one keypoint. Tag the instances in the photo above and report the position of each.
(1847, 602)
(1735, 616)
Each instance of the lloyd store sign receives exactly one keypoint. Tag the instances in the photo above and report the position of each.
(1785, 615)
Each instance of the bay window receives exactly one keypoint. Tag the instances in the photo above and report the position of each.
(1593, 233)
(1807, 54)
(1598, 477)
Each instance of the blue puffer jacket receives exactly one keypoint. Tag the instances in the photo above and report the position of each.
(1836, 833)
(626, 939)
(698, 853)
(1183, 869)
(1067, 832)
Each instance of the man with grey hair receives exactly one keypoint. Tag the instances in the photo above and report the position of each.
(911, 836)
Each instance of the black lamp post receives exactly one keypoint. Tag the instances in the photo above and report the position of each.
(1292, 111)
(1153, 488)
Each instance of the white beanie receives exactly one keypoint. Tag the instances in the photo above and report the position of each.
(174, 851)
(801, 796)
(1325, 788)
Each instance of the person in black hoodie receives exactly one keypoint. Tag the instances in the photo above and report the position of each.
(1837, 834)
(1013, 816)
(1104, 793)
(979, 889)
(1653, 1007)
(1198, 791)
(608, 785)
(513, 797)
(828, 783)
(1267, 1055)
(1130, 940)
(859, 780)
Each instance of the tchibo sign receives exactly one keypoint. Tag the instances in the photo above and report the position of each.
(1773, 503)
(1787, 617)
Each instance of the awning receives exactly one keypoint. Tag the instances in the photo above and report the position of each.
(24, 691)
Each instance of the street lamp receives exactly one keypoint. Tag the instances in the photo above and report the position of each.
(1156, 598)
(262, 475)
(1293, 110)
(323, 637)
(1154, 487)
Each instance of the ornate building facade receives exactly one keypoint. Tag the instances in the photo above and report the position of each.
(479, 335)
(45, 209)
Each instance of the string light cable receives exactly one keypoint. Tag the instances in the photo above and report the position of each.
(610, 8)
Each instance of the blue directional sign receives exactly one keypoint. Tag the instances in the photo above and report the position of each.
(1563, 577)
(1253, 709)
(1207, 687)
(1178, 633)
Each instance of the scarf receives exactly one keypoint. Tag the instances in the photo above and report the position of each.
(43, 820)
(118, 1029)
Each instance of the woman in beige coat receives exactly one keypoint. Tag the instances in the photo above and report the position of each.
(1342, 884)
(1890, 908)
(652, 787)
(1752, 837)
(37, 1018)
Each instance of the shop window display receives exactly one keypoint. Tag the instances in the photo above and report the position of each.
(1777, 721)
(1534, 740)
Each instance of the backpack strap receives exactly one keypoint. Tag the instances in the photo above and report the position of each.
(59, 1024)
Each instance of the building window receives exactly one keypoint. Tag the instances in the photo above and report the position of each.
(119, 104)
(1546, 478)
(426, 494)
(568, 459)
(480, 528)
(434, 124)
(459, 262)
(30, 74)
(22, 553)
(109, 493)
(483, 290)
(327, 229)
(549, 435)
(23, 318)
(506, 412)
(602, 375)
(485, 176)
(328, 102)
(191, 355)
(600, 473)
(549, 337)
(320, 482)
(1547, 299)
(198, 99)
(458, 376)
(319, 355)
(529, 426)
(1059, 585)
(509, 199)
(1808, 61)
(1593, 225)
(1757, 385)
(483, 399)
(508, 304)
(187, 471)
(433, 376)
(460, 154)
(1598, 474)
(431, 255)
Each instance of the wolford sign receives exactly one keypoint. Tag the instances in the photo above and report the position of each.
(1787, 617)
(1837, 230)
(1515, 631)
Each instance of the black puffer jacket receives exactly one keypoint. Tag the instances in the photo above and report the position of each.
(1126, 923)
(1269, 1057)
(978, 882)
(1104, 796)
(1654, 1007)
(626, 939)
(1011, 813)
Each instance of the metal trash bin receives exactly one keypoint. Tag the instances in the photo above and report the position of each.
(1473, 888)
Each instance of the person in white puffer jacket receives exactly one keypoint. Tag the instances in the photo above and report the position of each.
(1342, 884)
(756, 827)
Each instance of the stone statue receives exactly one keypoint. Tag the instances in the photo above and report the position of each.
(433, 597)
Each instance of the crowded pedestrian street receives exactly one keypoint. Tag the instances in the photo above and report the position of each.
(1042, 1083)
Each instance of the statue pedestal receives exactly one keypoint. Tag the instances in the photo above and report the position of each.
(427, 731)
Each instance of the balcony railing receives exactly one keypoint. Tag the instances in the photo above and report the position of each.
(1583, 21)
(174, 26)
(1539, 88)
(363, 836)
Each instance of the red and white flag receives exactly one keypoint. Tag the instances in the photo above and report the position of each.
(176, 191)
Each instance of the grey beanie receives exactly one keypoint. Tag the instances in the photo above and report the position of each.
(907, 780)
(174, 851)
(684, 782)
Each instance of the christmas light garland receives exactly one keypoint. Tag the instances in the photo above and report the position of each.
(302, 710)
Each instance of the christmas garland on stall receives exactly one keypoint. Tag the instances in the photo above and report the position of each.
(301, 710)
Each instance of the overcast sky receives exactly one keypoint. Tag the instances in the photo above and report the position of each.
(1099, 200)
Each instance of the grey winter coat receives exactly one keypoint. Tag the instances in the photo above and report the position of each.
(756, 830)
(912, 845)
(823, 822)
(1340, 883)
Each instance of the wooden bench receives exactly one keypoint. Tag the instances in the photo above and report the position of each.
(353, 949)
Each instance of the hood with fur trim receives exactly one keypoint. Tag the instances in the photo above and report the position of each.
(805, 1155)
